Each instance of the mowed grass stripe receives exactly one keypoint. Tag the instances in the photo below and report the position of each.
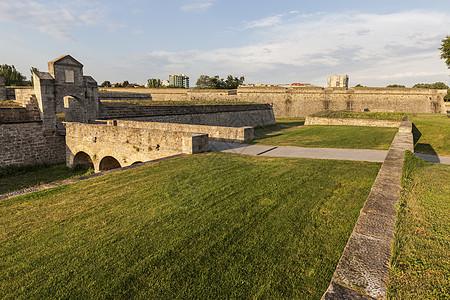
(213, 225)
(330, 136)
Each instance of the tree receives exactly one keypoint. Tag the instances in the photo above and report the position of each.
(436, 85)
(12, 76)
(206, 82)
(445, 49)
(154, 83)
(106, 83)
(125, 84)
(359, 85)
(395, 86)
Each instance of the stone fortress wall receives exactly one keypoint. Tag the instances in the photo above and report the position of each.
(302, 101)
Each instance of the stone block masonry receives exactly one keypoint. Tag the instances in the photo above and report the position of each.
(124, 146)
(363, 270)
(28, 143)
(217, 133)
(215, 115)
(352, 122)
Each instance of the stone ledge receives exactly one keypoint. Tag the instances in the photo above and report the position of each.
(363, 270)
(353, 122)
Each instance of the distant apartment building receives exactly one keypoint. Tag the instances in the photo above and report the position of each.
(180, 80)
(337, 81)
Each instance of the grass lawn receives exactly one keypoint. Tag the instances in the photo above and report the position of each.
(282, 123)
(204, 226)
(421, 262)
(15, 178)
(361, 115)
(431, 133)
(352, 137)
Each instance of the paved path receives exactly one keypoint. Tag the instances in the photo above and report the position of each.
(318, 153)
(434, 158)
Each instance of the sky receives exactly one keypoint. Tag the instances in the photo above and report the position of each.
(376, 43)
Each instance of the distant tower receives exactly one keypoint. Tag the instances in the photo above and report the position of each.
(180, 80)
(337, 81)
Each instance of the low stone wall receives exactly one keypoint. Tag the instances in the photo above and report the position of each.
(215, 115)
(363, 270)
(23, 95)
(128, 145)
(220, 133)
(353, 122)
(28, 143)
(123, 96)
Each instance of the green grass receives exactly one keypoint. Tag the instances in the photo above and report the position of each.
(431, 133)
(175, 102)
(9, 103)
(13, 178)
(361, 115)
(282, 124)
(352, 137)
(420, 268)
(204, 226)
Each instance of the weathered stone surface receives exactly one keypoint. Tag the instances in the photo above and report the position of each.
(128, 145)
(363, 270)
(217, 133)
(349, 121)
(216, 115)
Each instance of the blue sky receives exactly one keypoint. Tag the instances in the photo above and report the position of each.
(375, 42)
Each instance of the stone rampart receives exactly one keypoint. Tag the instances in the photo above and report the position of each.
(216, 115)
(363, 270)
(353, 122)
(163, 94)
(220, 133)
(29, 143)
(303, 101)
(127, 145)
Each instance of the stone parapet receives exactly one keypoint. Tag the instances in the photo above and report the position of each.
(348, 121)
(363, 270)
(9, 115)
(218, 133)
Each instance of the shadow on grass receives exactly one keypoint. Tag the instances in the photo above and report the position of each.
(261, 131)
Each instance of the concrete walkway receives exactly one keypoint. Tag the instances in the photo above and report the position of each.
(317, 153)
(302, 152)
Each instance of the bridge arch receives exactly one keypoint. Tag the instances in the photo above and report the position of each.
(82, 158)
(109, 163)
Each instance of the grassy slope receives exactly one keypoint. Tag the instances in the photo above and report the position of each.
(433, 133)
(282, 124)
(421, 262)
(353, 137)
(15, 178)
(212, 225)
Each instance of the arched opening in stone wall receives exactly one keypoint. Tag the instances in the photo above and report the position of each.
(82, 158)
(136, 163)
(109, 163)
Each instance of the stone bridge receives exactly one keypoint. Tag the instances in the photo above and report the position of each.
(104, 147)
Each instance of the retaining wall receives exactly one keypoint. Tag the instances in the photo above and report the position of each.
(363, 270)
(215, 115)
(353, 122)
(303, 101)
(29, 143)
(2, 88)
(231, 134)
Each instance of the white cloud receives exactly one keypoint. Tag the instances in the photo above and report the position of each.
(198, 6)
(56, 20)
(265, 22)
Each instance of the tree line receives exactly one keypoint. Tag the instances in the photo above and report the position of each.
(215, 82)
